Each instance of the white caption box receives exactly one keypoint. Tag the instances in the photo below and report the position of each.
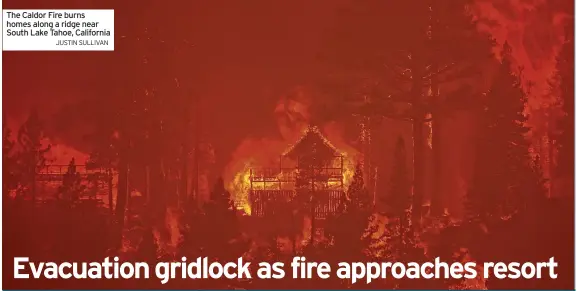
(58, 30)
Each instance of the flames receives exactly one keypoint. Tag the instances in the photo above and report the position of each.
(244, 179)
(240, 187)
(292, 119)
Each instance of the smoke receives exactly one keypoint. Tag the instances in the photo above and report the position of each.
(292, 116)
(535, 31)
(292, 113)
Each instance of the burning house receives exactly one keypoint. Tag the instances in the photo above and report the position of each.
(311, 176)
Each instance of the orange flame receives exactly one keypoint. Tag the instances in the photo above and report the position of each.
(241, 184)
(292, 119)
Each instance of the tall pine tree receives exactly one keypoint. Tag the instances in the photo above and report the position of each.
(399, 197)
(439, 44)
(566, 81)
(215, 232)
(71, 187)
(9, 181)
(350, 230)
(400, 240)
(32, 157)
(502, 161)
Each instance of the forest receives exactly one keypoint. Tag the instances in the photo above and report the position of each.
(147, 189)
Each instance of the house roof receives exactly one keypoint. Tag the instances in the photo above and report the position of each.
(312, 141)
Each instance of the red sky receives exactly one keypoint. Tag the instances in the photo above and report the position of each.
(247, 55)
(244, 55)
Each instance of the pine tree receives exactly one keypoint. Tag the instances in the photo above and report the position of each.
(502, 157)
(457, 50)
(533, 187)
(32, 157)
(360, 199)
(219, 228)
(565, 76)
(147, 248)
(400, 237)
(399, 198)
(439, 43)
(351, 229)
(71, 187)
(191, 228)
(9, 179)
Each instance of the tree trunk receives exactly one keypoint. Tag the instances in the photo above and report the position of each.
(155, 212)
(157, 191)
(122, 192)
(294, 228)
(193, 194)
(437, 205)
(313, 223)
(419, 169)
(184, 171)
(33, 186)
(402, 227)
(183, 192)
(110, 187)
(33, 177)
(418, 144)
(367, 161)
(147, 184)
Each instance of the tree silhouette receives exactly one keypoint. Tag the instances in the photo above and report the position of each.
(399, 236)
(148, 248)
(400, 72)
(32, 156)
(502, 157)
(534, 187)
(359, 197)
(399, 197)
(71, 187)
(565, 76)
(215, 231)
(191, 228)
(9, 179)
(350, 229)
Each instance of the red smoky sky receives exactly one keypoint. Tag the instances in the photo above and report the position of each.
(240, 57)
(243, 56)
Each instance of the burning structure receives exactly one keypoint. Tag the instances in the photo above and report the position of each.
(310, 175)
